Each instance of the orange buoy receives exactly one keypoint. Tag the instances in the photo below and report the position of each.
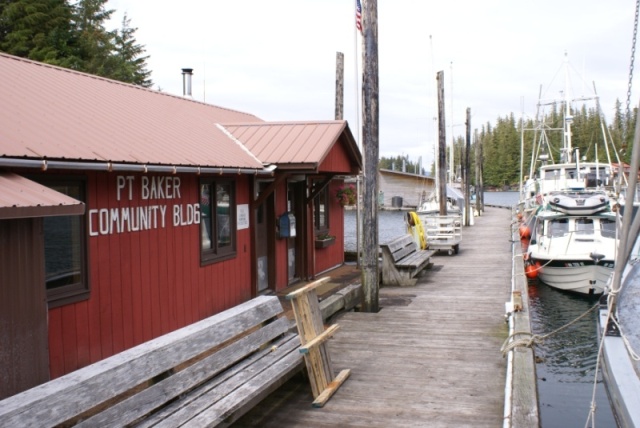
(531, 271)
(525, 232)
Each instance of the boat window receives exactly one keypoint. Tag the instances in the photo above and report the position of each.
(584, 226)
(608, 228)
(559, 227)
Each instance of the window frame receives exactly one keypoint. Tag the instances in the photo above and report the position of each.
(217, 253)
(322, 198)
(80, 290)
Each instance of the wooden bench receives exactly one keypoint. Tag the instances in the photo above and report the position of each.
(205, 374)
(402, 261)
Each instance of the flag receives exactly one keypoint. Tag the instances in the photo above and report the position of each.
(359, 16)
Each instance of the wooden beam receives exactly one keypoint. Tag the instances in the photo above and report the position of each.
(331, 388)
(320, 339)
(308, 287)
(269, 189)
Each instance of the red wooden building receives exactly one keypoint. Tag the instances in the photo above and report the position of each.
(126, 213)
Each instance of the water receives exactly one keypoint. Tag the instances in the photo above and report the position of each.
(568, 367)
(568, 360)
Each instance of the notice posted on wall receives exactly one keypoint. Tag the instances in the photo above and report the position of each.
(243, 216)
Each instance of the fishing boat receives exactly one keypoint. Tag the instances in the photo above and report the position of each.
(567, 206)
(571, 172)
(574, 251)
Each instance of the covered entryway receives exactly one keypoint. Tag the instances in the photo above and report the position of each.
(24, 354)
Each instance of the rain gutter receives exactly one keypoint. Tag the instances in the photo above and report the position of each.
(45, 165)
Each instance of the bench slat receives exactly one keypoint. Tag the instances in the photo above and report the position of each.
(147, 401)
(416, 259)
(181, 412)
(269, 377)
(60, 399)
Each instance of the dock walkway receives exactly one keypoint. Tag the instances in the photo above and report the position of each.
(429, 358)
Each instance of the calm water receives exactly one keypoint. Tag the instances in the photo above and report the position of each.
(568, 359)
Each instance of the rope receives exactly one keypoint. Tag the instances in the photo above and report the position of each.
(511, 343)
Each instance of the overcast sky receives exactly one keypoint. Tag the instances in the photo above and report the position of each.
(276, 59)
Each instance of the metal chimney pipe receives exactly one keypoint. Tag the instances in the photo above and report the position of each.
(187, 73)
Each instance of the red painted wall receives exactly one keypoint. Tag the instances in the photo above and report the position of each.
(145, 283)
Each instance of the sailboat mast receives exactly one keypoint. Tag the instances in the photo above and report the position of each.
(567, 111)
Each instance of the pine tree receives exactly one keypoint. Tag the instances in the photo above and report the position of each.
(132, 66)
(37, 29)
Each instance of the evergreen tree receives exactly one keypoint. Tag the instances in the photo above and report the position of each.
(73, 36)
(37, 29)
(132, 67)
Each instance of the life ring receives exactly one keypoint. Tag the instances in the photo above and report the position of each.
(415, 228)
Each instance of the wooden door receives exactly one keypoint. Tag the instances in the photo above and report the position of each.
(295, 205)
(24, 350)
(265, 243)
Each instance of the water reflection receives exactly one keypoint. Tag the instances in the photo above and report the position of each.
(567, 359)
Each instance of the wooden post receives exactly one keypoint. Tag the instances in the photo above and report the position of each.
(478, 167)
(466, 172)
(370, 118)
(442, 147)
(339, 85)
(481, 162)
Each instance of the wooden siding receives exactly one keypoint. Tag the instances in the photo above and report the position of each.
(338, 161)
(145, 283)
(407, 186)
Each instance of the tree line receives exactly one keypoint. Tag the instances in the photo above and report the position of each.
(501, 146)
(74, 36)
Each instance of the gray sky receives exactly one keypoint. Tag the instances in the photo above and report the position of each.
(276, 58)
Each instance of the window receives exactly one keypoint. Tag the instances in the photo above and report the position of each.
(218, 220)
(64, 249)
(608, 228)
(559, 227)
(584, 226)
(321, 211)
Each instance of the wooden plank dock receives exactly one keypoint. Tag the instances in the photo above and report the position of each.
(430, 357)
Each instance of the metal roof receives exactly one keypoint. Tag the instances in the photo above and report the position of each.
(54, 113)
(21, 197)
(293, 143)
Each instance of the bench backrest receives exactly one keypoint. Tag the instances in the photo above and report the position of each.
(63, 398)
(400, 247)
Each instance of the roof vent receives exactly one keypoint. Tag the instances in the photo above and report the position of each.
(187, 73)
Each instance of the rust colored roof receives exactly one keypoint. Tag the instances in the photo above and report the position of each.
(58, 114)
(21, 197)
(300, 144)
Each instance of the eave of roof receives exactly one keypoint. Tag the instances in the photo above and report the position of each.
(295, 145)
(21, 198)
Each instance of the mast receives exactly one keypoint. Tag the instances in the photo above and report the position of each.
(567, 111)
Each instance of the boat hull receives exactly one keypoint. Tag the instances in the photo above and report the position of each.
(620, 377)
(582, 277)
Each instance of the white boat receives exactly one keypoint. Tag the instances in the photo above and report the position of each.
(570, 173)
(567, 205)
(573, 252)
